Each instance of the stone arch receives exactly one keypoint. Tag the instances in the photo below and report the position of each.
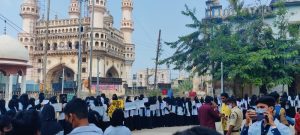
(54, 76)
(112, 72)
(97, 35)
(70, 45)
(55, 46)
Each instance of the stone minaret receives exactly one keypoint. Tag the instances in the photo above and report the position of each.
(127, 29)
(30, 14)
(99, 11)
(74, 9)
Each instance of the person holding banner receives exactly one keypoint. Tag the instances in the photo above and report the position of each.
(127, 113)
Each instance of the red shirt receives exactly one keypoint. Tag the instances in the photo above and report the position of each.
(297, 122)
(208, 116)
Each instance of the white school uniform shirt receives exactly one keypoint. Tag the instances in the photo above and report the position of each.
(293, 102)
(166, 109)
(105, 117)
(132, 112)
(148, 113)
(99, 109)
(20, 106)
(142, 111)
(173, 109)
(194, 108)
(245, 102)
(163, 106)
(179, 111)
(119, 130)
(188, 113)
(298, 101)
(157, 111)
(126, 113)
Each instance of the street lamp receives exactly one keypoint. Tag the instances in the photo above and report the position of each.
(63, 79)
(97, 87)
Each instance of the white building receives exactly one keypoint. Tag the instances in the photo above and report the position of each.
(145, 78)
(114, 47)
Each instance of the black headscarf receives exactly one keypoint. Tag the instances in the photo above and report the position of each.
(24, 100)
(49, 125)
(2, 107)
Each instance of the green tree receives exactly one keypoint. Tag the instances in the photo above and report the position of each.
(185, 86)
(251, 51)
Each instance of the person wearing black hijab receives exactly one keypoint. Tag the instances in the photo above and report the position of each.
(2, 107)
(31, 103)
(23, 102)
(41, 99)
(128, 115)
(49, 125)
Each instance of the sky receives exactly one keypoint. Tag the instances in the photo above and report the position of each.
(149, 16)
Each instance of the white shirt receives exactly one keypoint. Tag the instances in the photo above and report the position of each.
(119, 130)
(179, 110)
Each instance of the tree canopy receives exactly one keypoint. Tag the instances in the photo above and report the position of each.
(251, 50)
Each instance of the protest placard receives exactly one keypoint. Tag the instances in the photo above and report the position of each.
(130, 106)
(57, 107)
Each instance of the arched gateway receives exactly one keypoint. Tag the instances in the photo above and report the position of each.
(55, 78)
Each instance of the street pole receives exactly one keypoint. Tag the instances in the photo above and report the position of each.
(63, 81)
(98, 90)
(91, 46)
(156, 60)
(79, 84)
(46, 48)
(222, 78)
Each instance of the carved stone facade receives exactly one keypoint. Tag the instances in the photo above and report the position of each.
(114, 47)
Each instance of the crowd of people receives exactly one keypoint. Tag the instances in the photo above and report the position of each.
(268, 114)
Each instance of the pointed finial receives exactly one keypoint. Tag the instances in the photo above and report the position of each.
(4, 27)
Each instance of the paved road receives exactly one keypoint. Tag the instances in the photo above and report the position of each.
(171, 130)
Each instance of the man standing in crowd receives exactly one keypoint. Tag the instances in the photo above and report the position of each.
(266, 123)
(235, 119)
(225, 112)
(76, 113)
(208, 113)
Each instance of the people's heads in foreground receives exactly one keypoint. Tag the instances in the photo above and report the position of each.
(224, 97)
(26, 123)
(117, 118)
(198, 130)
(76, 112)
(208, 99)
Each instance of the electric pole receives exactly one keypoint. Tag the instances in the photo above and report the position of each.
(45, 49)
(156, 60)
(79, 84)
(91, 48)
(147, 78)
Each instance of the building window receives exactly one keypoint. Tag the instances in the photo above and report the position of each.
(83, 59)
(39, 60)
(141, 76)
(83, 70)
(162, 76)
(39, 70)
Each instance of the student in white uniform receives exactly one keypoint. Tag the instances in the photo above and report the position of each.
(194, 113)
(158, 113)
(180, 112)
(188, 112)
(136, 116)
(117, 127)
(128, 116)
